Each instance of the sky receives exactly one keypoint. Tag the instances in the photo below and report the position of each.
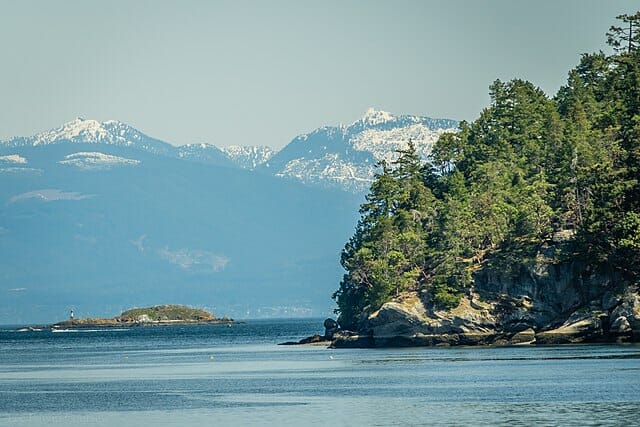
(261, 72)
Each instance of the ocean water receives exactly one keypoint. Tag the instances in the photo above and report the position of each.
(219, 375)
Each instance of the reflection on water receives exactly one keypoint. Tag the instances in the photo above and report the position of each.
(238, 376)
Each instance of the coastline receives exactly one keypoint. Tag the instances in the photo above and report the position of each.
(111, 323)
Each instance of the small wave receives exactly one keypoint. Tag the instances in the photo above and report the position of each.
(89, 330)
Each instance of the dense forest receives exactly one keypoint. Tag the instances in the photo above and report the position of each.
(531, 169)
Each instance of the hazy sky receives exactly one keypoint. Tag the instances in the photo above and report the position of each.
(261, 72)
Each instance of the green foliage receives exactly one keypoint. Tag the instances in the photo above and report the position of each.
(168, 312)
(445, 297)
(498, 189)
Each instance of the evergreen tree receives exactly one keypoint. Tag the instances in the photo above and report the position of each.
(626, 37)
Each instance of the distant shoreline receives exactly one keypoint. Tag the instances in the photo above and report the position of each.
(159, 315)
(79, 324)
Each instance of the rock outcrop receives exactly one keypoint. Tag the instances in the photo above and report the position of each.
(581, 326)
(547, 302)
(331, 327)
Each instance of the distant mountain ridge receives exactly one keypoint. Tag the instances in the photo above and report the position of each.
(113, 132)
(88, 131)
(346, 156)
(342, 157)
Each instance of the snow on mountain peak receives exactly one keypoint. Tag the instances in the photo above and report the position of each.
(89, 131)
(77, 129)
(248, 157)
(374, 117)
(345, 157)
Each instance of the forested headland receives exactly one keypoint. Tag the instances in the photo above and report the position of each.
(532, 177)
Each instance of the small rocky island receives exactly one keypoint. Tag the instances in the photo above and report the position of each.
(149, 316)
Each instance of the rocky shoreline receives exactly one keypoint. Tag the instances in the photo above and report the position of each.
(545, 303)
(111, 323)
(516, 321)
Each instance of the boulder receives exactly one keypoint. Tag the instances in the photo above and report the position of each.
(403, 317)
(581, 326)
(330, 328)
(620, 326)
(528, 336)
(627, 315)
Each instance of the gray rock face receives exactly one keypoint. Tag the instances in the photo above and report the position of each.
(626, 316)
(406, 322)
(621, 326)
(528, 336)
(579, 327)
(545, 303)
(610, 300)
(408, 317)
(403, 318)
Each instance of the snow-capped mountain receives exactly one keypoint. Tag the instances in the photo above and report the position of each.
(248, 157)
(87, 131)
(113, 132)
(343, 157)
(346, 156)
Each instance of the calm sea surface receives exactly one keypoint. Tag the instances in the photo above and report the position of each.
(219, 375)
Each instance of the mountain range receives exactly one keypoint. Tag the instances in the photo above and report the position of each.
(100, 217)
(343, 156)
